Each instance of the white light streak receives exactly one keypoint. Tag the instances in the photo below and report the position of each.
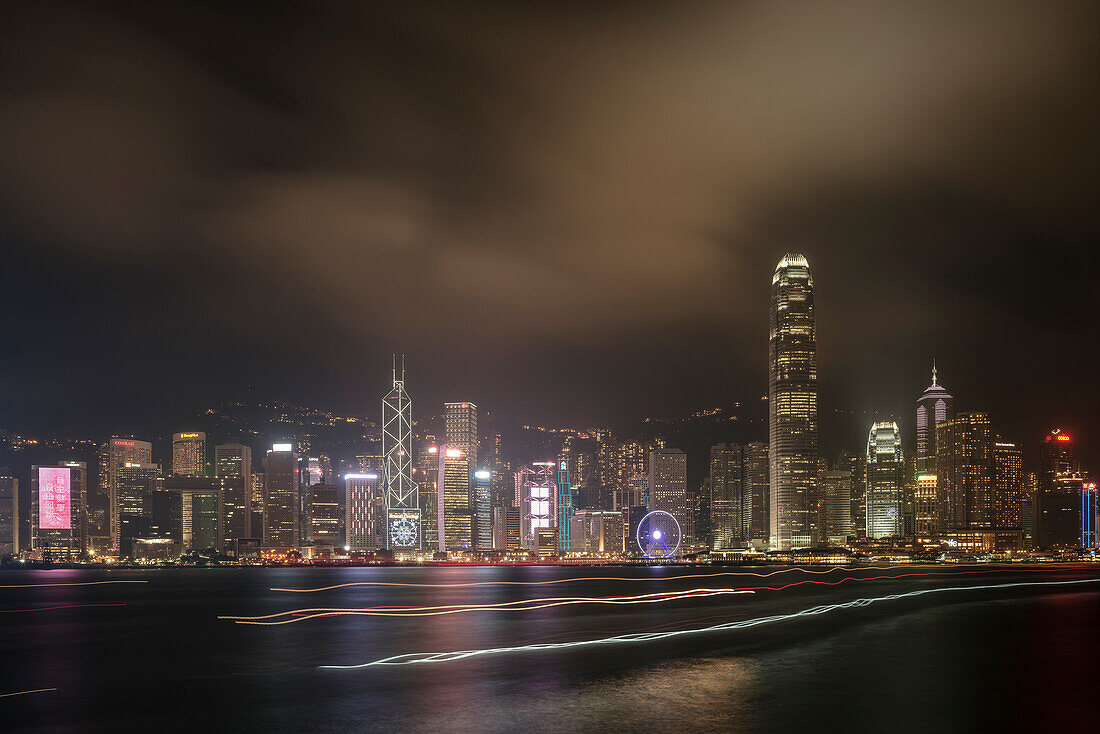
(638, 637)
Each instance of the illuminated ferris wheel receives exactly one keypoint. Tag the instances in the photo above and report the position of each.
(659, 535)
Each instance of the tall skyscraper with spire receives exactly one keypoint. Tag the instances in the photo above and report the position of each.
(403, 532)
(792, 405)
(934, 406)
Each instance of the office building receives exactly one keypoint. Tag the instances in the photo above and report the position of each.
(134, 483)
(201, 508)
(724, 483)
(460, 429)
(597, 533)
(322, 514)
(836, 504)
(885, 481)
(453, 505)
(1008, 494)
(281, 500)
(482, 510)
(9, 514)
(233, 459)
(964, 481)
(233, 467)
(364, 511)
(507, 529)
(792, 406)
(189, 454)
(924, 508)
(934, 406)
(536, 498)
(403, 517)
(1061, 513)
(668, 489)
(113, 455)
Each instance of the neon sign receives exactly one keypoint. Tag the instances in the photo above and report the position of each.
(53, 498)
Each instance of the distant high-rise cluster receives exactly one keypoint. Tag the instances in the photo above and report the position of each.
(446, 487)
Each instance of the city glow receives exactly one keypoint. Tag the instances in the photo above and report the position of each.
(642, 637)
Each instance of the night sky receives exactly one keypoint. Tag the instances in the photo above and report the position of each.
(567, 212)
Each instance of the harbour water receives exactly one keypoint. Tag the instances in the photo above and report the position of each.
(157, 656)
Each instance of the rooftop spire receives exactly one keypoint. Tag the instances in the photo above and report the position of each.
(933, 372)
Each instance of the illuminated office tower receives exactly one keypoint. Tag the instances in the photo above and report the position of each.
(934, 406)
(281, 508)
(322, 514)
(482, 510)
(114, 455)
(460, 429)
(885, 481)
(427, 480)
(403, 521)
(1008, 493)
(257, 497)
(964, 481)
(453, 504)
(189, 454)
(364, 511)
(564, 507)
(1090, 516)
(755, 493)
(726, 494)
(668, 489)
(1060, 495)
(536, 490)
(836, 499)
(134, 484)
(792, 406)
(1057, 458)
(9, 514)
(856, 463)
(924, 507)
(55, 517)
(313, 472)
(231, 461)
(507, 535)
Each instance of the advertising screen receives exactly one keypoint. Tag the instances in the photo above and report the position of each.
(53, 498)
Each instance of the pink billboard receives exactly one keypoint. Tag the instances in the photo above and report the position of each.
(53, 498)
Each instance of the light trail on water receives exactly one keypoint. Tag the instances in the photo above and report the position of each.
(23, 693)
(525, 605)
(62, 606)
(643, 637)
(467, 584)
(75, 583)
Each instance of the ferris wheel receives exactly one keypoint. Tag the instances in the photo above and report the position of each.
(659, 535)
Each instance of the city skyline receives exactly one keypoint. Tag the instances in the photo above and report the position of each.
(956, 258)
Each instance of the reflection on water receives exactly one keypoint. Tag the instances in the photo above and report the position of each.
(978, 661)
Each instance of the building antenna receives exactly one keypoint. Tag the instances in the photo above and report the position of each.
(933, 372)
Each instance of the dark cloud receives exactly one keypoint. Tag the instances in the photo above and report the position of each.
(565, 210)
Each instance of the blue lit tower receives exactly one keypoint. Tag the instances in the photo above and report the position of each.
(792, 406)
(565, 506)
(401, 497)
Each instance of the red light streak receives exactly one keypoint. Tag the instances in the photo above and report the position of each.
(61, 606)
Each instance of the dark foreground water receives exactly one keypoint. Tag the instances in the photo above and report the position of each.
(987, 659)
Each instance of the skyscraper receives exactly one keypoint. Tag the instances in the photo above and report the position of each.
(115, 454)
(455, 523)
(726, 490)
(460, 429)
(189, 454)
(836, 499)
(364, 511)
(792, 405)
(403, 520)
(964, 481)
(885, 480)
(281, 503)
(1008, 493)
(934, 406)
(668, 489)
(536, 493)
(755, 487)
(9, 514)
(481, 511)
(134, 483)
(233, 464)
